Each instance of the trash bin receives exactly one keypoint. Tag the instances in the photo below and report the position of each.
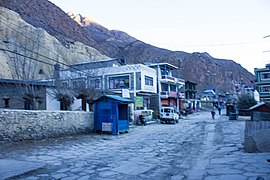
(233, 116)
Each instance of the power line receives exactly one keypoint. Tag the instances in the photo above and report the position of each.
(26, 56)
(64, 64)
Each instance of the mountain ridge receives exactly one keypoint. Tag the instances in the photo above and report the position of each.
(205, 70)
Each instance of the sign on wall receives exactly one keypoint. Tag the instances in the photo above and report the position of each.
(125, 93)
(139, 101)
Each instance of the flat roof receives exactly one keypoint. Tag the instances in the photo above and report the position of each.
(158, 64)
(94, 61)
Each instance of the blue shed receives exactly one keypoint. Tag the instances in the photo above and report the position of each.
(111, 114)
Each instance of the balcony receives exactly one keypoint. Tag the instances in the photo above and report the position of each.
(167, 94)
(164, 94)
(181, 95)
(170, 79)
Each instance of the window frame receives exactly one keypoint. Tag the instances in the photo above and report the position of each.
(263, 73)
(148, 80)
(116, 78)
(96, 85)
(262, 89)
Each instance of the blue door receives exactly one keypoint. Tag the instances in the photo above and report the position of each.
(106, 116)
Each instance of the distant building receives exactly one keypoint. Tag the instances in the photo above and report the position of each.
(209, 95)
(242, 88)
(262, 82)
(191, 100)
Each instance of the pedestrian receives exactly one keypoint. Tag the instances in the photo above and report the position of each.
(213, 113)
(219, 110)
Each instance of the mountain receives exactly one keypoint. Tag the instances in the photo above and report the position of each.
(24, 47)
(201, 68)
(205, 70)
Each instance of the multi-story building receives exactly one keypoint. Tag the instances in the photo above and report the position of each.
(170, 90)
(262, 82)
(136, 81)
(191, 101)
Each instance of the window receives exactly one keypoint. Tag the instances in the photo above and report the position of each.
(166, 71)
(148, 81)
(146, 102)
(265, 89)
(64, 84)
(265, 75)
(119, 82)
(164, 87)
(6, 101)
(78, 83)
(28, 105)
(173, 88)
(95, 83)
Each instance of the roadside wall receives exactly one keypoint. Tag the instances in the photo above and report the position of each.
(19, 125)
(257, 135)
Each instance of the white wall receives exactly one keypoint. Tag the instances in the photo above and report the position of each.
(51, 101)
(77, 105)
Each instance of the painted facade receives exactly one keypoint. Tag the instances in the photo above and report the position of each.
(170, 90)
(262, 82)
(136, 81)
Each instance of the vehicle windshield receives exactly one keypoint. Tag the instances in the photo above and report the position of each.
(167, 110)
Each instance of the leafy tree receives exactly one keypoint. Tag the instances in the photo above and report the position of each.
(245, 102)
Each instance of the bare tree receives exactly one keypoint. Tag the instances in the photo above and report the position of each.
(24, 64)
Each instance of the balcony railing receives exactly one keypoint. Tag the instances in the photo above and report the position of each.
(166, 94)
(167, 78)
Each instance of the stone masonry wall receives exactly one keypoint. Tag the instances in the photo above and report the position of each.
(19, 125)
(257, 135)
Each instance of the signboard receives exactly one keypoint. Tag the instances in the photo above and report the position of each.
(106, 126)
(139, 101)
(125, 93)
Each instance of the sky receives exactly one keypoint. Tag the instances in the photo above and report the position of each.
(226, 29)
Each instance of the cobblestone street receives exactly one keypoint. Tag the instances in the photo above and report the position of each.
(198, 147)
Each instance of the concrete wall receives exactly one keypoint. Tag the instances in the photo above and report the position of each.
(257, 135)
(18, 125)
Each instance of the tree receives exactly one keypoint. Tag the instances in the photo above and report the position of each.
(25, 66)
(245, 101)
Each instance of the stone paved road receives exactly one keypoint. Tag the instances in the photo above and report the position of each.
(195, 148)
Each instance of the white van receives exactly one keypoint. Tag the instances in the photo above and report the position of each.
(168, 115)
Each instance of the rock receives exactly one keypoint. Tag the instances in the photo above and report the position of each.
(24, 39)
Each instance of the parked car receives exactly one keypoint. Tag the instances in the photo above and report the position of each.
(168, 115)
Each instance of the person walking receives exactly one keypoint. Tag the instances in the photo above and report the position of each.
(213, 113)
(219, 110)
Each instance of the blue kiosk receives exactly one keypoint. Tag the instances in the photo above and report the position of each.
(111, 114)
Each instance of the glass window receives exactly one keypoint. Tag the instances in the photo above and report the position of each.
(164, 87)
(148, 81)
(119, 82)
(95, 83)
(265, 75)
(78, 83)
(64, 84)
(265, 89)
(173, 88)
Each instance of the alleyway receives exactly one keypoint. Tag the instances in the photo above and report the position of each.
(198, 147)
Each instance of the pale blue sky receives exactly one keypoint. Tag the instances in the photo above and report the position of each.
(229, 29)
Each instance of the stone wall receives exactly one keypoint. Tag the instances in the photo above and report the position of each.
(257, 135)
(19, 125)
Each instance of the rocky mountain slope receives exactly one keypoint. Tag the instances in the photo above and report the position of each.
(206, 71)
(22, 43)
